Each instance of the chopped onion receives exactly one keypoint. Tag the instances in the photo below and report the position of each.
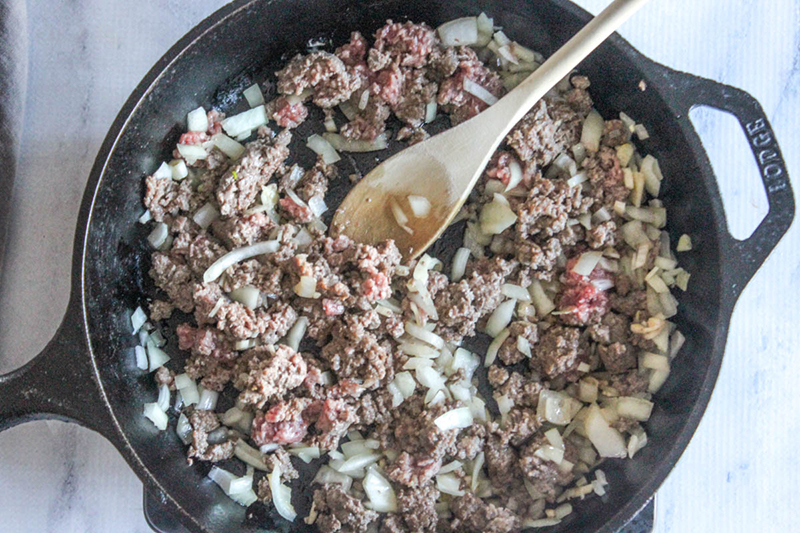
(450, 467)
(496, 216)
(641, 132)
(485, 29)
(227, 146)
(163, 397)
(550, 453)
(296, 334)
(466, 361)
(208, 400)
(247, 295)
(237, 255)
(506, 56)
(420, 206)
(246, 121)
(306, 287)
(381, 495)
(317, 205)
(405, 383)
(516, 177)
(138, 318)
(141, 357)
(156, 415)
(524, 346)
(163, 172)
(654, 361)
(399, 215)
(184, 429)
(326, 475)
(206, 215)
(253, 95)
(500, 318)
(657, 379)
(516, 292)
(187, 388)
(635, 408)
(540, 523)
(543, 304)
(415, 363)
(357, 462)
(592, 131)
(192, 152)
(554, 437)
(343, 144)
(158, 237)
(281, 495)
(424, 335)
(676, 342)
(504, 404)
(354, 447)
(155, 355)
(178, 169)
(634, 235)
(586, 263)
(459, 264)
(419, 349)
(494, 346)
(577, 179)
(428, 377)
(479, 92)
(146, 217)
(458, 418)
(459, 32)
(557, 407)
(449, 484)
(684, 243)
(430, 111)
(197, 120)
(306, 453)
(607, 440)
(322, 147)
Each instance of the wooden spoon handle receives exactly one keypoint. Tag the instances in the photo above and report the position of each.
(511, 108)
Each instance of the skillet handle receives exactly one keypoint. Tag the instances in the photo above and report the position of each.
(749, 254)
(60, 383)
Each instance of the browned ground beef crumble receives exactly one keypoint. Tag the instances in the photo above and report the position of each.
(316, 396)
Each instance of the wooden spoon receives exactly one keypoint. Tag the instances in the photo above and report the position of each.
(445, 168)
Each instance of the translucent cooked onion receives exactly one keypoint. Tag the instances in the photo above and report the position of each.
(405, 383)
(516, 292)
(163, 397)
(357, 462)
(586, 263)
(155, 355)
(592, 131)
(187, 388)
(544, 304)
(343, 144)
(485, 29)
(554, 438)
(141, 357)
(607, 441)
(654, 361)
(326, 475)
(306, 287)
(238, 255)
(449, 484)
(419, 349)
(138, 318)
(317, 205)
(524, 346)
(208, 400)
(430, 111)
(382, 497)
(158, 237)
(246, 121)
(684, 243)
(306, 453)
(458, 418)
(459, 32)
(296, 334)
(197, 120)
(281, 495)
(163, 172)
(577, 179)
(184, 429)
(321, 146)
(477, 466)
(635, 408)
(504, 404)
(420, 206)
(500, 318)
(206, 215)
(253, 95)
(460, 260)
(496, 216)
(227, 146)
(399, 215)
(146, 217)
(424, 335)
(247, 295)
(550, 453)
(192, 152)
(479, 92)
(156, 415)
(557, 407)
(430, 378)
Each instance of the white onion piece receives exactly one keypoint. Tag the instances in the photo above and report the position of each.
(250, 455)
(363, 100)
(269, 195)
(206, 215)
(496, 216)
(163, 172)
(246, 121)
(281, 495)
(505, 54)
(577, 179)
(156, 415)
(461, 392)
(158, 237)
(540, 523)
(684, 243)
(155, 355)
(192, 152)
(477, 466)
(253, 95)
(231, 416)
(451, 467)
(184, 429)
(494, 346)
(459, 32)
(517, 175)
(430, 378)
(357, 462)
(419, 349)
(500, 318)
(449, 484)
(343, 144)
(178, 169)
(430, 111)
(240, 485)
(479, 92)
(478, 409)
(544, 304)
(592, 131)
(607, 441)
(399, 215)
(635, 408)
(306, 287)
(238, 255)
(557, 407)
(516, 292)
(138, 318)
(306, 453)
(227, 146)
(554, 437)
(197, 120)
(326, 475)
(550, 453)
(466, 361)
(420, 206)
(405, 383)
(459, 264)
(208, 400)
(322, 147)
(146, 217)
(354, 447)
(381, 495)
(163, 397)
(247, 295)
(188, 389)
(524, 346)
(296, 334)
(458, 418)
(222, 477)
(424, 335)
(317, 205)
(414, 363)
(268, 448)
(504, 404)
(141, 357)
(586, 263)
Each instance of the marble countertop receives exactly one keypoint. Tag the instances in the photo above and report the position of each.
(737, 475)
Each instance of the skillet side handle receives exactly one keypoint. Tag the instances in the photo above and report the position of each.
(60, 383)
(749, 254)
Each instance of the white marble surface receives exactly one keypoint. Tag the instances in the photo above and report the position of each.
(738, 474)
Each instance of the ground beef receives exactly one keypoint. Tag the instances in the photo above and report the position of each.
(406, 44)
(556, 354)
(288, 112)
(338, 511)
(629, 383)
(283, 423)
(460, 104)
(602, 235)
(615, 133)
(356, 353)
(368, 122)
(165, 376)
(522, 390)
(163, 197)
(335, 419)
(236, 232)
(540, 136)
(606, 177)
(509, 353)
(581, 301)
(473, 515)
(322, 72)
(315, 180)
(239, 186)
(174, 277)
(204, 422)
(415, 511)
(274, 371)
(160, 310)
(470, 442)
(546, 476)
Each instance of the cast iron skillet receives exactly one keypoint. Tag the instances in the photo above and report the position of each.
(87, 373)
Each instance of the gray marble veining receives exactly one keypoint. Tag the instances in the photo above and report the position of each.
(85, 58)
